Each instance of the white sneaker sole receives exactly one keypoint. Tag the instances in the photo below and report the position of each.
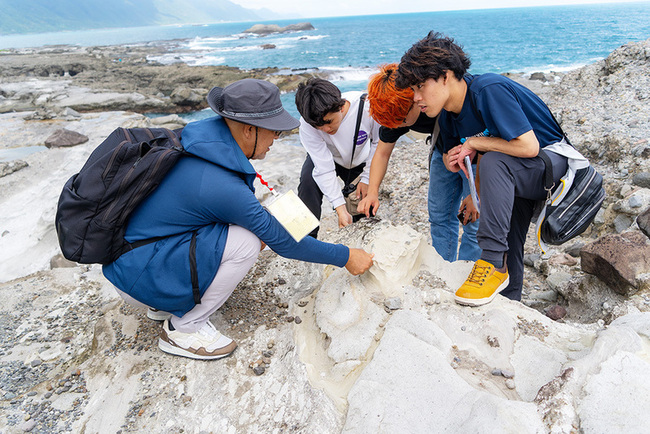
(482, 301)
(178, 351)
(158, 315)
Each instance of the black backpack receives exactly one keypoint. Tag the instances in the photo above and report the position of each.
(572, 206)
(95, 204)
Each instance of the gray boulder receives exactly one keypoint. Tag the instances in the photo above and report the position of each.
(9, 167)
(64, 138)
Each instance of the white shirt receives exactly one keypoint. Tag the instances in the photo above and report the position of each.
(325, 149)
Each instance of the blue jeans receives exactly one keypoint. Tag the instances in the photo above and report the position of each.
(446, 191)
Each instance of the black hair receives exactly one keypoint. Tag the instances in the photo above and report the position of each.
(316, 98)
(431, 57)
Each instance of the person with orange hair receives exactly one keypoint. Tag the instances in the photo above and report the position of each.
(394, 110)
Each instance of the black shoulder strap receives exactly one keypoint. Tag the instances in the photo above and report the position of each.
(548, 174)
(362, 100)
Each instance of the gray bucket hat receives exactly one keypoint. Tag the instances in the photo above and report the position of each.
(253, 102)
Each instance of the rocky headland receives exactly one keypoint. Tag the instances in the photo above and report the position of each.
(322, 351)
(111, 78)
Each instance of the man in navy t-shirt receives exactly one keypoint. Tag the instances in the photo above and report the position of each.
(501, 124)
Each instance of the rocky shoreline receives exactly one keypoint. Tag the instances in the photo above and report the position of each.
(91, 79)
(318, 349)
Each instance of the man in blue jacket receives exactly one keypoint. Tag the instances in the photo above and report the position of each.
(212, 223)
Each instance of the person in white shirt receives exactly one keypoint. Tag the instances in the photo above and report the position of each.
(327, 127)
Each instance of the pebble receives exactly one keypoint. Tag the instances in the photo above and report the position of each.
(507, 374)
(635, 202)
(270, 344)
(28, 426)
(36, 362)
(496, 372)
(290, 319)
(556, 312)
(268, 353)
(298, 320)
(302, 303)
(510, 384)
(393, 303)
(259, 370)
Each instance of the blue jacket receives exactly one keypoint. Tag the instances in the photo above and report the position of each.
(206, 195)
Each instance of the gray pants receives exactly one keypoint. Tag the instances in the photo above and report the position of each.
(239, 255)
(510, 188)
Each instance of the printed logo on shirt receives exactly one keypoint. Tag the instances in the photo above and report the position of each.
(363, 136)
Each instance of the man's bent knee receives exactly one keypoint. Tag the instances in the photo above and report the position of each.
(244, 241)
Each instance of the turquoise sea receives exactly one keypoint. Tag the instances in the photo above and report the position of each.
(553, 38)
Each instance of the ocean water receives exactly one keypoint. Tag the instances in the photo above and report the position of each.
(553, 38)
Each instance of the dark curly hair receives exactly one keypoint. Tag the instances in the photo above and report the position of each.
(431, 57)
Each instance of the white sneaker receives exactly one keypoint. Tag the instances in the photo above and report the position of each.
(158, 315)
(205, 344)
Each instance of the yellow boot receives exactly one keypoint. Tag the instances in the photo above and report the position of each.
(483, 284)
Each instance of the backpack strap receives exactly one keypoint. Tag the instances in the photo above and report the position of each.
(548, 171)
(434, 139)
(194, 273)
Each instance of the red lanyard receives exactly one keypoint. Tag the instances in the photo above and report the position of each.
(266, 184)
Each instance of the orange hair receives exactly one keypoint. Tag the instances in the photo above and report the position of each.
(388, 104)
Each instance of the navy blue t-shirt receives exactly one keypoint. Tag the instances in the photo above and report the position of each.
(508, 110)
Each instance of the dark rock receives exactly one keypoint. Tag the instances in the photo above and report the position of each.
(538, 76)
(555, 312)
(617, 260)
(643, 221)
(574, 249)
(64, 138)
(622, 223)
(259, 370)
(530, 259)
(267, 46)
(642, 179)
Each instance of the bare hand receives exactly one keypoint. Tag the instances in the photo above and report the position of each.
(369, 205)
(464, 152)
(359, 261)
(471, 213)
(362, 190)
(451, 159)
(344, 216)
